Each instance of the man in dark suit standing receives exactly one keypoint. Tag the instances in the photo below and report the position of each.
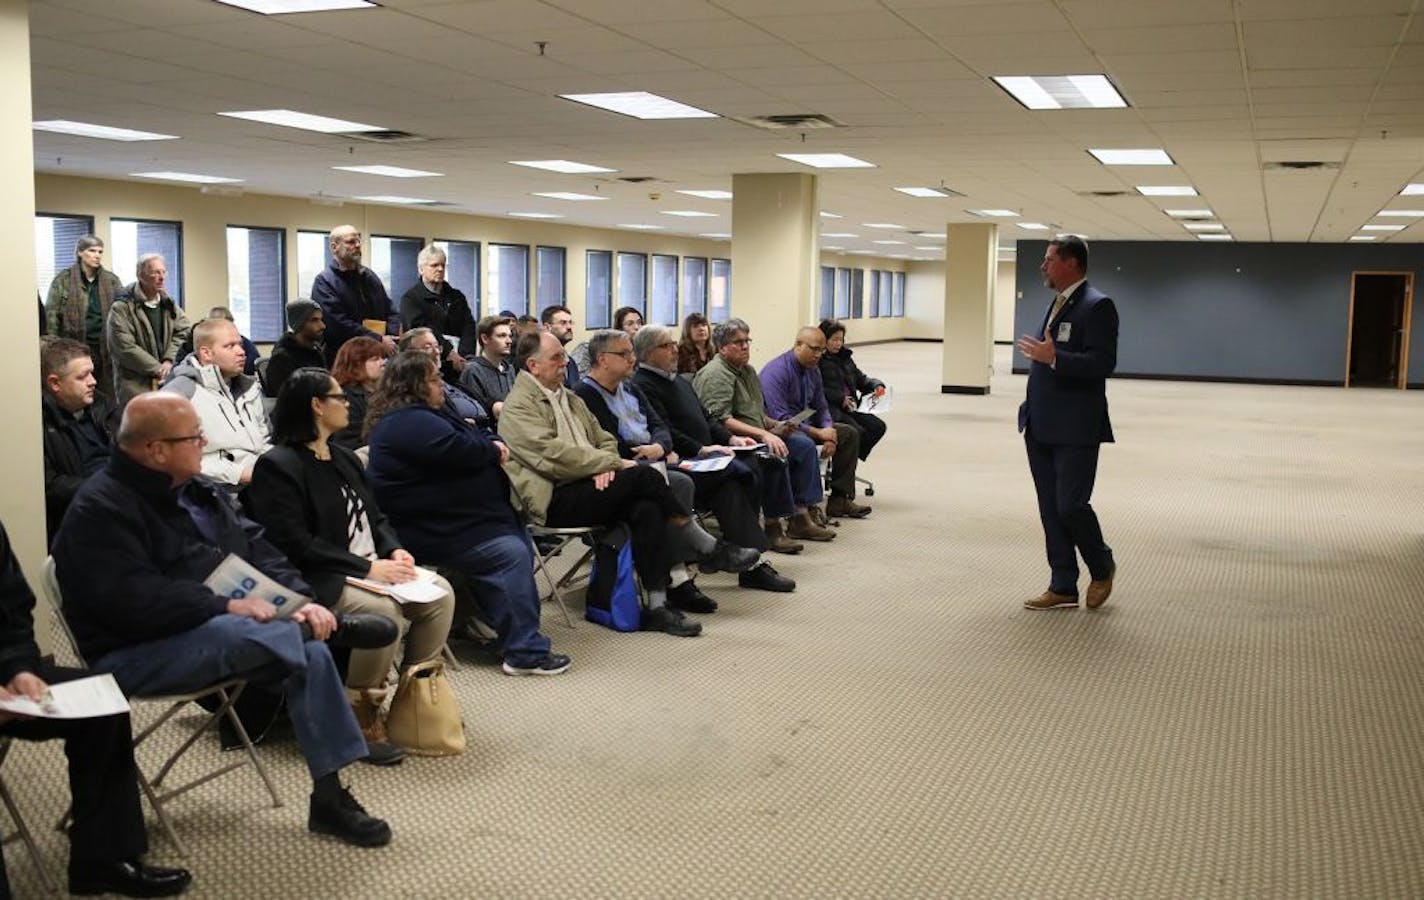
(1064, 420)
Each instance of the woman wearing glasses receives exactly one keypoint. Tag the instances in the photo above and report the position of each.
(312, 496)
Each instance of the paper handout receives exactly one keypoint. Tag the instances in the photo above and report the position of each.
(236, 579)
(84, 698)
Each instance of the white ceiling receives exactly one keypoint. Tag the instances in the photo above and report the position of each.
(1226, 86)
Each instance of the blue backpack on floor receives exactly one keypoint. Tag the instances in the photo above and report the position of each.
(612, 596)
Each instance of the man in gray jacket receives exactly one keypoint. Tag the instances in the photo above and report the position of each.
(144, 330)
(229, 403)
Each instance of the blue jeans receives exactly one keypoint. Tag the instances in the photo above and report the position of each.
(804, 467)
(502, 571)
(230, 646)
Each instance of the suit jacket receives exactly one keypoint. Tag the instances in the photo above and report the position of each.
(1068, 404)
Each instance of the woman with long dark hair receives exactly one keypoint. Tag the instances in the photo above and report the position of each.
(312, 496)
(695, 349)
(441, 480)
(358, 366)
(845, 384)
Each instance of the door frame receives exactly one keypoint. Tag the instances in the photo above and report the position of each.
(1404, 337)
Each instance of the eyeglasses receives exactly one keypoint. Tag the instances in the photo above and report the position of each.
(186, 439)
(816, 350)
(741, 342)
(665, 344)
(626, 354)
(339, 398)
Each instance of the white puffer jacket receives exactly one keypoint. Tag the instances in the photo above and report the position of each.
(231, 414)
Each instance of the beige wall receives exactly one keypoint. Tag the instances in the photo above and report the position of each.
(924, 301)
(1005, 296)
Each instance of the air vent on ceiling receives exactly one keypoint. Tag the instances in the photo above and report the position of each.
(791, 122)
(637, 179)
(1106, 194)
(382, 137)
(1301, 165)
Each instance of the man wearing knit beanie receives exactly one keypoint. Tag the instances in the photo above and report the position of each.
(300, 346)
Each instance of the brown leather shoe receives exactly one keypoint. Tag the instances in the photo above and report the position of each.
(1050, 600)
(844, 506)
(1099, 591)
(803, 529)
(778, 542)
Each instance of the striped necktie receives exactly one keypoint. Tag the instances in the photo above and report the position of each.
(1053, 314)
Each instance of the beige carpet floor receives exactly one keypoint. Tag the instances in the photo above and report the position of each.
(1245, 718)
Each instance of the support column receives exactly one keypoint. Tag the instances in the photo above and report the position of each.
(776, 227)
(970, 271)
(22, 507)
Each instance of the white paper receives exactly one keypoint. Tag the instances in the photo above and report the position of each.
(237, 579)
(706, 464)
(877, 405)
(422, 590)
(86, 698)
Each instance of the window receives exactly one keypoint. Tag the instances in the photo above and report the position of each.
(842, 293)
(257, 281)
(598, 289)
(131, 238)
(313, 255)
(55, 237)
(550, 264)
(508, 278)
(462, 270)
(827, 303)
(887, 290)
(633, 281)
(872, 304)
(897, 307)
(393, 261)
(719, 293)
(857, 293)
(694, 286)
(663, 310)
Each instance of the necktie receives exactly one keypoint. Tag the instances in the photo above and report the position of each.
(1053, 313)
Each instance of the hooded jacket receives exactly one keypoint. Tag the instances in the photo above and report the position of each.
(231, 414)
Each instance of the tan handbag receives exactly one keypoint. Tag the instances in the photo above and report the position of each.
(424, 717)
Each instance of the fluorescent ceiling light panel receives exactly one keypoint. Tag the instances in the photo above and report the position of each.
(1166, 190)
(282, 7)
(931, 235)
(535, 215)
(1032, 226)
(927, 192)
(931, 249)
(1412, 190)
(1214, 237)
(390, 171)
(709, 195)
(188, 177)
(1362, 237)
(838, 234)
(1401, 213)
(1062, 91)
(993, 213)
(641, 105)
(886, 225)
(288, 118)
(102, 132)
(1189, 213)
(832, 247)
(717, 236)
(890, 243)
(689, 213)
(1203, 226)
(569, 195)
(1143, 157)
(831, 215)
(394, 198)
(567, 166)
(1383, 227)
(827, 160)
(642, 227)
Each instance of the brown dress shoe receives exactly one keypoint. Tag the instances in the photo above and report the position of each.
(803, 529)
(778, 542)
(1099, 591)
(1050, 600)
(844, 506)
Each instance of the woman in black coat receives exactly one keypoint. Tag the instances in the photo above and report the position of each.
(313, 498)
(845, 384)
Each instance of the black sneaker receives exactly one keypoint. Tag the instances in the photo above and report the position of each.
(348, 820)
(669, 621)
(128, 878)
(688, 597)
(765, 578)
(552, 664)
(727, 557)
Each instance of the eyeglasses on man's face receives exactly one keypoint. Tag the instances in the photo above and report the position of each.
(198, 438)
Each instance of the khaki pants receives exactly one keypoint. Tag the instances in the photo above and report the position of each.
(429, 629)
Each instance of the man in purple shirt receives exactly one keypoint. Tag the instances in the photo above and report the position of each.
(790, 384)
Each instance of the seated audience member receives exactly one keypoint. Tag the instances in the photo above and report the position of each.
(301, 347)
(434, 303)
(566, 472)
(791, 383)
(730, 390)
(229, 403)
(489, 376)
(845, 384)
(358, 367)
(352, 298)
(440, 480)
(144, 330)
(696, 432)
(460, 403)
(78, 303)
(312, 497)
(695, 349)
(559, 321)
(131, 557)
(106, 829)
(623, 411)
(248, 348)
(76, 420)
(627, 320)
(525, 324)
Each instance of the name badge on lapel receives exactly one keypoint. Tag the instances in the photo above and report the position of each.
(1065, 331)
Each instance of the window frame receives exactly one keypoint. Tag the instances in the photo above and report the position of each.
(491, 248)
(43, 289)
(653, 284)
(472, 298)
(641, 305)
(281, 233)
(684, 308)
(605, 319)
(711, 279)
(563, 299)
(178, 295)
